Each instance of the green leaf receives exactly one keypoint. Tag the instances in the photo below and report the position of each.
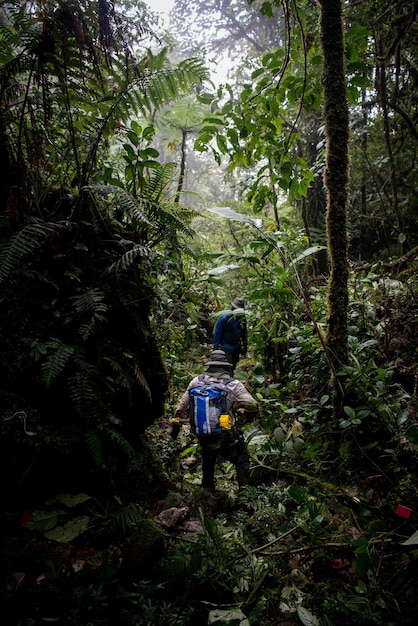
(346, 448)
(306, 617)
(130, 151)
(215, 120)
(361, 81)
(148, 152)
(43, 520)
(70, 530)
(257, 72)
(228, 616)
(411, 433)
(353, 94)
(297, 493)
(72, 500)
(412, 541)
(222, 144)
(348, 410)
(133, 137)
(306, 253)
(148, 132)
(222, 269)
(230, 214)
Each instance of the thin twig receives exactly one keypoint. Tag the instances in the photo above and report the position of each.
(270, 543)
(281, 471)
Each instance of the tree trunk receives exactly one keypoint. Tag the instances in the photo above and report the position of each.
(336, 178)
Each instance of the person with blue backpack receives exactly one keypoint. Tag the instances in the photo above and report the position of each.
(230, 333)
(211, 405)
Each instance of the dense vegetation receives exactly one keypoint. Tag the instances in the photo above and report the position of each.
(137, 200)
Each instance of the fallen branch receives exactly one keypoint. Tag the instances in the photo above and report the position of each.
(281, 471)
(397, 264)
(328, 544)
(270, 543)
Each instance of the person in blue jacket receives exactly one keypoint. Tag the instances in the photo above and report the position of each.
(230, 333)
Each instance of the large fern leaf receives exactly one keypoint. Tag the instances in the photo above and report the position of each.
(165, 84)
(125, 520)
(28, 239)
(58, 356)
(136, 254)
(139, 376)
(123, 200)
(153, 187)
(170, 221)
(91, 304)
(119, 441)
(94, 445)
(83, 393)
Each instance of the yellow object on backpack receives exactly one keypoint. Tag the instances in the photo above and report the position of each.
(225, 422)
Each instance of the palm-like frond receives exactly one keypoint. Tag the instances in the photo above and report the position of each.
(123, 378)
(119, 441)
(141, 379)
(168, 221)
(132, 257)
(165, 84)
(83, 393)
(94, 445)
(21, 244)
(152, 188)
(123, 201)
(91, 304)
(124, 521)
(58, 356)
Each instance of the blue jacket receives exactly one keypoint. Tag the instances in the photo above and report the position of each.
(231, 331)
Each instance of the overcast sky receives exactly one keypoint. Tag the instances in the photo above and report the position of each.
(220, 72)
(160, 5)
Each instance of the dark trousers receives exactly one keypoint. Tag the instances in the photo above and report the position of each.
(230, 445)
(233, 356)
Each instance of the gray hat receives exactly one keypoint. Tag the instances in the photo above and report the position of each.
(238, 303)
(218, 357)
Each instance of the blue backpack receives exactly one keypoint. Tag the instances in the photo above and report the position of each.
(207, 404)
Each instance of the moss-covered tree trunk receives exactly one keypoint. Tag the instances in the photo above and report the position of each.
(336, 176)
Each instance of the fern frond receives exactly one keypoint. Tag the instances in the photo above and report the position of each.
(140, 378)
(165, 84)
(119, 442)
(193, 67)
(170, 221)
(132, 257)
(94, 445)
(123, 200)
(122, 522)
(153, 188)
(91, 303)
(58, 356)
(123, 380)
(188, 251)
(186, 214)
(21, 244)
(82, 394)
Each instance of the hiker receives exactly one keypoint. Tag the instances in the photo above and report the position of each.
(230, 333)
(215, 439)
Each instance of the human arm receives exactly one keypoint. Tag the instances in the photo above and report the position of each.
(244, 336)
(240, 399)
(181, 415)
(182, 409)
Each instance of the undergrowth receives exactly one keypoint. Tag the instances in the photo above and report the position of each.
(325, 534)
